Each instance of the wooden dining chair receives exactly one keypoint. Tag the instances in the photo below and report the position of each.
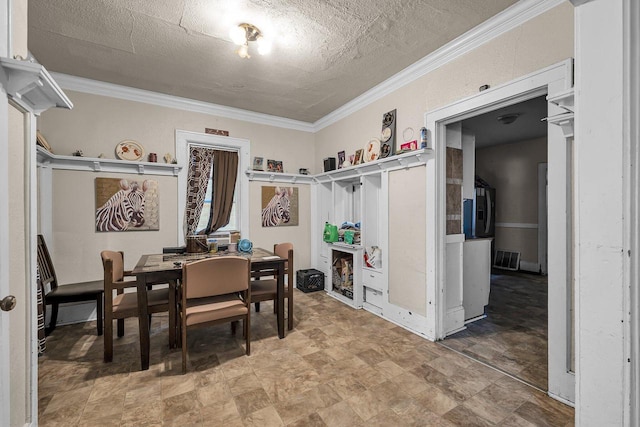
(215, 290)
(266, 289)
(63, 294)
(125, 304)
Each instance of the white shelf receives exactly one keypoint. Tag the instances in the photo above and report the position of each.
(53, 161)
(564, 100)
(31, 86)
(404, 160)
(279, 177)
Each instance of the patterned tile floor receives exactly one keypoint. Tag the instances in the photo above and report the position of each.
(513, 336)
(338, 367)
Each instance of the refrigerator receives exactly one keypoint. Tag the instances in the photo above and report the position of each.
(484, 209)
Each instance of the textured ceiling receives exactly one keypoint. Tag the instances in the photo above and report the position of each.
(325, 53)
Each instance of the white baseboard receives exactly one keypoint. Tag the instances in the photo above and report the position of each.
(532, 267)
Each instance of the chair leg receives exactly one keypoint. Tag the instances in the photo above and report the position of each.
(184, 349)
(275, 306)
(108, 339)
(257, 305)
(99, 313)
(247, 333)
(290, 311)
(54, 318)
(120, 323)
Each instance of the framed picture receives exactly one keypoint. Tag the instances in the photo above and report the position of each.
(258, 164)
(409, 146)
(358, 157)
(127, 205)
(279, 206)
(340, 159)
(278, 165)
(271, 165)
(43, 142)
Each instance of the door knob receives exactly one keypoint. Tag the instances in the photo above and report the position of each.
(8, 303)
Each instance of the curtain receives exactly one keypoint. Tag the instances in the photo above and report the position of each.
(225, 172)
(200, 159)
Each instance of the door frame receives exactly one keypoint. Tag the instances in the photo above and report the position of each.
(542, 218)
(552, 80)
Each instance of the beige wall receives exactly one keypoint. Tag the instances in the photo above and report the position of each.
(97, 123)
(512, 169)
(540, 42)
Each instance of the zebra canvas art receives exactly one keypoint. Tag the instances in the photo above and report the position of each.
(279, 206)
(126, 205)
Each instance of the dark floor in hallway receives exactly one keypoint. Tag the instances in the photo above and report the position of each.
(513, 336)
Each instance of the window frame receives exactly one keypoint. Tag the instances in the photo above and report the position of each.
(186, 139)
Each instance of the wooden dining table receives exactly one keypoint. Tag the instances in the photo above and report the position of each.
(167, 268)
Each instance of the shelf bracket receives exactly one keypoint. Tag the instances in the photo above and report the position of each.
(141, 169)
(97, 167)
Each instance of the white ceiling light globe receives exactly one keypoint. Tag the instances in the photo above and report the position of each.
(238, 35)
(264, 46)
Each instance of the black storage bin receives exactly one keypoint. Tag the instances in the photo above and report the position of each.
(310, 280)
(329, 164)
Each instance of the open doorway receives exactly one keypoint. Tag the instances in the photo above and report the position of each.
(504, 208)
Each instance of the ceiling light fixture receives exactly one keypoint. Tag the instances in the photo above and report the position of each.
(245, 33)
(507, 119)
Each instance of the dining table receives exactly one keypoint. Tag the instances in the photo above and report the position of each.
(167, 268)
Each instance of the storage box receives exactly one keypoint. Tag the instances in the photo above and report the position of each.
(310, 280)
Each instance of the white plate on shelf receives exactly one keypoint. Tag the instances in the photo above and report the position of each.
(372, 150)
(129, 150)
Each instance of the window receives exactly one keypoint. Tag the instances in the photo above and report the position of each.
(234, 221)
(240, 212)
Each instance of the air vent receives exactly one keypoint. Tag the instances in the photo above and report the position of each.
(507, 260)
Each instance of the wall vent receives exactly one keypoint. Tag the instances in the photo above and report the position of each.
(507, 260)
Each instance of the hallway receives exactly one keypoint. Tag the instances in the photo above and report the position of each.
(513, 336)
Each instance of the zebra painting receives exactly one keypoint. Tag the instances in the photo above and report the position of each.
(280, 206)
(124, 208)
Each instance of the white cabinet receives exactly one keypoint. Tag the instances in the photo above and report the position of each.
(476, 277)
(362, 194)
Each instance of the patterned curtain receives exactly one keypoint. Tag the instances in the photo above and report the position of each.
(200, 159)
(225, 172)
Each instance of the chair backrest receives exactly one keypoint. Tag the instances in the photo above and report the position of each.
(113, 264)
(45, 265)
(215, 276)
(282, 250)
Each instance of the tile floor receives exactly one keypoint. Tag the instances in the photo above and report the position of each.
(338, 367)
(513, 336)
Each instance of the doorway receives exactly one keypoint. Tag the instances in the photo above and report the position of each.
(445, 297)
(504, 151)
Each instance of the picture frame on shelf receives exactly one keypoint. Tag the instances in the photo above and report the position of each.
(279, 167)
(341, 158)
(271, 165)
(258, 163)
(358, 156)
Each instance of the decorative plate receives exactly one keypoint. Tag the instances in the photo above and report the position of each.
(372, 150)
(129, 150)
(386, 134)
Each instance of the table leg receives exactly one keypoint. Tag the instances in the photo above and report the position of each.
(280, 296)
(172, 314)
(143, 321)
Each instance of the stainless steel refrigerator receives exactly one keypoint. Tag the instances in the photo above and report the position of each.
(484, 221)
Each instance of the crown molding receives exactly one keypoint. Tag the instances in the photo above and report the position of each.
(495, 26)
(94, 87)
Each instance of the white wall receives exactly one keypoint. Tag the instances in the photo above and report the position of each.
(602, 168)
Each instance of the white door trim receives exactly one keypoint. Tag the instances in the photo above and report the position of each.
(542, 217)
(4, 258)
(554, 79)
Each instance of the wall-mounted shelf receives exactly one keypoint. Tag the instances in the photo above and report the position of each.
(53, 161)
(279, 177)
(31, 86)
(404, 160)
(566, 101)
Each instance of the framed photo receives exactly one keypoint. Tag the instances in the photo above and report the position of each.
(278, 165)
(127, 205)
(340, 159)
(358, 157)
(258, 164)
(271, 165)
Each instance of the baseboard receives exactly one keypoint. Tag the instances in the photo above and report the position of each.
(532, 267)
